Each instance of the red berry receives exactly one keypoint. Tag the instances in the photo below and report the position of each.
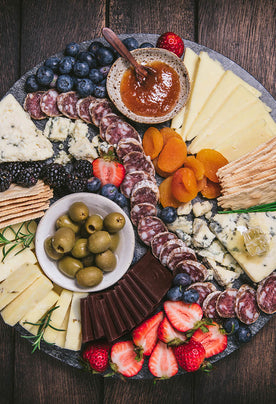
(124, 359)
(145, 335)
(96, 355)
(108, 171)
(190, 355)
(183, 316)
(171, 42)
(162, 362)
(214, 341)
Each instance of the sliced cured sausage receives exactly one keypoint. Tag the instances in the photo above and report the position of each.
(99, 109)
(144, 191)
(246, 307)
(148, 227)
(120, 130)
(197, 271)
(48, 103)
(131, 179)
(226, 303)
(136, 161)
(128, 145)
(32, 105)
(159, 240)
(209, 305)
(167, 248)
(107, 120)
(203, 289)
(266, 294)
(141, 210)
(83, 108)
(180, 254)
(67, 104)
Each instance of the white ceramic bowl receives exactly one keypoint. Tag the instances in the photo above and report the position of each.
(97, 204)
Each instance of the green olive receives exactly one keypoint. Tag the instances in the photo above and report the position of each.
(99, 241)
(50, 251)
(93, 223)
(88, 261)
(106, 261)
(80, 249)
(63, 240)
(115, 238)
(114, 222)
(69, 266)
(65, 221)
(78, 212)
(89, 276)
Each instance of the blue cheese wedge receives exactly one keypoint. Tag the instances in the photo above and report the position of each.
(201, 208)
(202, 235)
(181, 223)
(215, 251)
(184, 209)
(222, 275)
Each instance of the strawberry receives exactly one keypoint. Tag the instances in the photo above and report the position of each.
(162, 362)
(190, 356)
(183, 316)
(145, 335)
(124, 359)
(171, 42)
(96, 355)
(108, 170)
(214, 340)
(169, 335)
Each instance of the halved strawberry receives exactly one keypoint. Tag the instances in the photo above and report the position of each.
(171, 42)
(190, 356)
(169, 335)
(183, 316)
(108, 170)
(145, 335)
(214, 341)
(123, 359)
(162, 362)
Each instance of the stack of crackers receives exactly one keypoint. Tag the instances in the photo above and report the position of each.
(250, 180)
(19, 204)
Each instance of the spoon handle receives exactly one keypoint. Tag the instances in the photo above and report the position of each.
(117, 44)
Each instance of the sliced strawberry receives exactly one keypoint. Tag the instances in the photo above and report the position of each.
(108, 171)
(169, 335)
(183, 316)
(162, 362)
(190, 356)
(214, 341)
(145, 335)
(123, 359)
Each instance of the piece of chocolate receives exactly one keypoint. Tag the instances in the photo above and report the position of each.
(110, 331)
(95, 318)
(113, 308)
(129, 320)
(134, 297)
(86, 325)
(140, 292)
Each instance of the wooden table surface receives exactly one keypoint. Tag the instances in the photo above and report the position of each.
(244, 31)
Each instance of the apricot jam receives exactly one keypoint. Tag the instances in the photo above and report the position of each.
(154, 96)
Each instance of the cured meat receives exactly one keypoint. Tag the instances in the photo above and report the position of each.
(209, 305)
(66, 103)
(99, 109)
(131, 179)
(167, 248)
(197, 271)
(120, 130)
(136, 161)
(107, 120)
(32, 105)
(226, 303)
(48, 103)
(141, 210)
(203, 289)
(159, 240)
(148, 227)
(180, 254)
(128, 145)
(144, 191)
(246, 307)
(266, 294)
(83, 108)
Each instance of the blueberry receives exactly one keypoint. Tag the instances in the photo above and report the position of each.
(44, 75)
(109, 191)
(244, 334)
(104, 56)
(64, 83)
(121, 200)
(96, 76)
(105, 70)
(146, 45)
(52, 63)
(182, 279)
(93, 184)
(130, 43)
(168, 214)
(88, 58)
(65, 65)
(190, 296)
(94, 46)
(81, 69)
(175, 294)
(85, 87)
(31, 84)
(72, 49)
(231, 325)
(100, 91)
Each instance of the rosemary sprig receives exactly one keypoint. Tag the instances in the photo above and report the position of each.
(267, 207)
(43, 324)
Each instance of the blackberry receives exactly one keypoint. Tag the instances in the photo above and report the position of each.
(14, 168)
(76, 183)
(26, 178)
(54, 175)
(5, 180)
(35, 167)
(83, 168)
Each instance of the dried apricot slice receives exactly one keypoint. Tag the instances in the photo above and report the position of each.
(195, 165)
(184, 185)
(210, 189)
(162, 174)
(201, 183)
(212, 161)
(152, 142)
(173, 155)
(167, 133)
(166, 196)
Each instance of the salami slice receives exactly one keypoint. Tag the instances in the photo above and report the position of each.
(203, 289)
(226, 303)
(48, 103)
(144, 191)
(159, 240)
(131, 179)
(167, 248)
(32, 105)
(107, 120)
(246, 307)
(197, 271)
(209, 305)
(136, 161)
(148, 227)
(141, 210)
(180, 254)
(120, 130)
(128, 145)
(67, 102)
(83, 108)
(99, 110)
(266, 294)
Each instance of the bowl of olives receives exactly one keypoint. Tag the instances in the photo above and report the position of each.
(85, 242)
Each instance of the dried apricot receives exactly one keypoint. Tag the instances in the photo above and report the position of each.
(173, 155)
(212, 161)
(184, 185)
(195, 165)
(152, 142)
(210, 189)
(167, 133)
(201, 183)
(162, 174)
(166, 196)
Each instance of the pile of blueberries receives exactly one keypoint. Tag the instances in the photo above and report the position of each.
(82, 71)
(110, 191)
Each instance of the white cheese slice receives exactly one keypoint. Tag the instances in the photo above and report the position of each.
(13, 262)
(73, 336)
(61, 335)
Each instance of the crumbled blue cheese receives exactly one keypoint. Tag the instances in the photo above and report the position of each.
(201, 208)
(215, 251)
(80, 130)
(223, 276)
(82, 149)
(202, 236)
(58, 129)
(230, 262)
(184, 209)
(184, 237)
(63, 158)
(181, 223)
(100, 145)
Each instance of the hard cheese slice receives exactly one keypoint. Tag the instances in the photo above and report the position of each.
(61, 335)
(13, 262)
(73, 335)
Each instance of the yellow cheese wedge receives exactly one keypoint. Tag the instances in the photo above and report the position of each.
(27, 300)
(61, 335)
(12, 263)
(73, 336)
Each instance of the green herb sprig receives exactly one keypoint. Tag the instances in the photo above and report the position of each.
(267, 207)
